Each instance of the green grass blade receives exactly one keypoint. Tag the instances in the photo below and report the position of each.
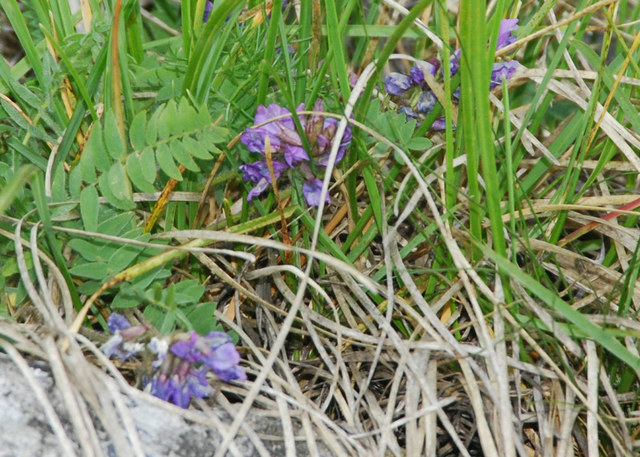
(556, 304)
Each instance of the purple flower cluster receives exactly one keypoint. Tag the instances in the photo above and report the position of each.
(182, 363)
(413, 95)
(287, 148)
(182, 374)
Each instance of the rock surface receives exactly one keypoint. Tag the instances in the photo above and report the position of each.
(25, 430)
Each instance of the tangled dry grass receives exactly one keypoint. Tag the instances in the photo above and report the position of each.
(448, 363)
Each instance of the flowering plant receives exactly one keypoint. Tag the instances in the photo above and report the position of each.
(182, 362)
(288, 148)
(414, 96)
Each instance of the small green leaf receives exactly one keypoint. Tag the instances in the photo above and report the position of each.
(151, 134)
(59, 184)
(96, 147)
(148, 164)
(123, 257)
(87, 250)
(117, 223)
(137, 131)
(419, 144)
(202, 318)
(87, 167)
(134, 170)
(119, 182)
(14, 186)
(213, 135)
(168, 323)
(196, 149)
(89, 207)
(75, 182)
(188, 291)
(112, 138)
(168, 123)
(188, 116)
(105, 189)
(124, 301)
(204, 118)
(90, 270)
(181, 154)
(143, 281)
(165, 160)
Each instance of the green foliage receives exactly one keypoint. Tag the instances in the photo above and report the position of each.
(174, 134)
(395, 127)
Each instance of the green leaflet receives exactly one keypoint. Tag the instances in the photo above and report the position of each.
(165, 160)
(89, 207)
(137, 134)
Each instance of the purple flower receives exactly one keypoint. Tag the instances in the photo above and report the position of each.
(417, 72)
(312, 191)
(502, 70)
(254, 138)
(426, 102)
(117, 322)
(414, 104)
(396, 83)
(258, 172)
(440, 124)
(221, 356)
(287, 146)
(180, 387)
(454, 62)
(294, 154)
(122, 345)
(324, 140)
(186, 350)
(506, 33)
(207, 11)
(417, 75)
(183, 372)
(182, 364)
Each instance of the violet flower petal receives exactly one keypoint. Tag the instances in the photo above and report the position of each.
(312, 191)
(426, 102)
(506, 33)
(293, 154)
(417, 72)
(222, 358)
(111, 347)
(262, 185)
(232, 374)
(502, 70)
(207, 11)
(117, 321)
(417, 75)
(396, 83)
